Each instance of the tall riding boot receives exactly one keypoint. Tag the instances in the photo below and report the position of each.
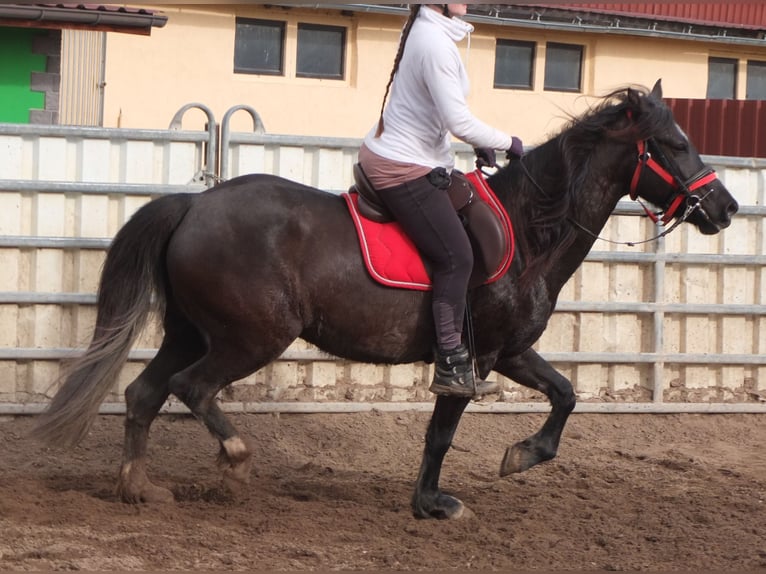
(454, 376)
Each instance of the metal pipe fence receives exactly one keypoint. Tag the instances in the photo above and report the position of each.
(654, 303)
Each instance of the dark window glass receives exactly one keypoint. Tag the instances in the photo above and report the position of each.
(563, 67)
(756, 80)
(721, 78)
(321, 51)
(259, 46)
(514, 64)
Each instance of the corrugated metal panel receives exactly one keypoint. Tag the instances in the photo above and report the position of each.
(739, 14)
(723, 127)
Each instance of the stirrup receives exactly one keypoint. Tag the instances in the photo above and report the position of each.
(478, 389)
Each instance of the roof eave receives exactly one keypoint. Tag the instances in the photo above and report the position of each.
(733, 35)
(96, 20)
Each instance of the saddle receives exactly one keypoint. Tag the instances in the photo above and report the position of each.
(483, 217)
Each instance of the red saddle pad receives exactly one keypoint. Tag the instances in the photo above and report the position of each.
(393, 260)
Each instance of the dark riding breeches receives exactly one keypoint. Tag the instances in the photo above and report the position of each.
(428, 218)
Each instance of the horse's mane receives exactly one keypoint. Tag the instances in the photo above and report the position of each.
(561, 166)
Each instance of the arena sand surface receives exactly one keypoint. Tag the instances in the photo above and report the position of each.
(331, 492)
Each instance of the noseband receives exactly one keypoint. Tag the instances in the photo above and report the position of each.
(670, 174)
(683, 188)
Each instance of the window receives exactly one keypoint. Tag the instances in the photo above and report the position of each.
(514, 64)
(259, 46)
(756, 80)
(321, 51)
(563, 67)
(721, 78)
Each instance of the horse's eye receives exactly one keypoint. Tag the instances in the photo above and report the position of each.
(678, 145)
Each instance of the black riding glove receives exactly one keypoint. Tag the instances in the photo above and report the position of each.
(485, 157)
(516, 150)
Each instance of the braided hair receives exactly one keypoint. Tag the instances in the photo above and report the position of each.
(414, 10)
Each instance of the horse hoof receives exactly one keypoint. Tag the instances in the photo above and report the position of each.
(445, 507)
(516, 459)
(150, 494)
(234, 484)
(157, 494)
(237, 474)
(522, 456)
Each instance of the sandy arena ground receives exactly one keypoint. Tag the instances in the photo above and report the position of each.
(627, 492)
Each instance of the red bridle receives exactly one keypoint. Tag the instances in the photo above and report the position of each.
(684, 188)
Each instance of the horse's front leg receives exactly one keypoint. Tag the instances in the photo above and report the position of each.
(428, 501)
(531, 370)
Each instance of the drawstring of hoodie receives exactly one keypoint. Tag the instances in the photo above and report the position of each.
(467, 52)
(445, 13)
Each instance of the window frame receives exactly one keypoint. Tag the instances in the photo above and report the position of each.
(734, 79)
(581, 49)
(341, 75)
(760, 64)
(532, 60)
(281, 25)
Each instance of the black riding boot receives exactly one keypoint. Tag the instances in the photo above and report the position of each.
(453, 375)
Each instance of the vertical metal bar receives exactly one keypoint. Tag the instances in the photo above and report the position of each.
(225, 153)
(658, 317)
(209, 170)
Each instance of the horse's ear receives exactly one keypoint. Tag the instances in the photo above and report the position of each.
(638, 102)
(657, 90)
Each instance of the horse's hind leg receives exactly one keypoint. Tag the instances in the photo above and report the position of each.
(144, 397)
(531, 370)
(227, 360)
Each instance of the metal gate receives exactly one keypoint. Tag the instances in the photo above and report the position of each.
(676, 325)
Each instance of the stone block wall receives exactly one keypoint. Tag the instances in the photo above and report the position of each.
(49, 81)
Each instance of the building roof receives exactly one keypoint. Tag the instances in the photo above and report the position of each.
(96, 17)
(733, 23)
(725, 22)
(735, 14)
(750, 14)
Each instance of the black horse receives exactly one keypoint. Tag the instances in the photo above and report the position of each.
(240, 271)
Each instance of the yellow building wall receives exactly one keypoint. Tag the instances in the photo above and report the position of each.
(191, 60)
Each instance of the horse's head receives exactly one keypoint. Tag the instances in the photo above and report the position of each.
(669, 172)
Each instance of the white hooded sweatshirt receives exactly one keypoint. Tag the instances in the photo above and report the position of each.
(428, 99)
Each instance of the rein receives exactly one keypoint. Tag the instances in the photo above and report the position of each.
(683, 188)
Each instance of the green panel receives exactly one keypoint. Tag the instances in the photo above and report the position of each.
(17, 62)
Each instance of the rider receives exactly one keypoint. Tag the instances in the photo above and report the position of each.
(407, 158)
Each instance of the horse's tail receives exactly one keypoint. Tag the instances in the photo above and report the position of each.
(134, 269)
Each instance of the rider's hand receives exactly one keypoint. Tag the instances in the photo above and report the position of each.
(516, 150)
(485, 157)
